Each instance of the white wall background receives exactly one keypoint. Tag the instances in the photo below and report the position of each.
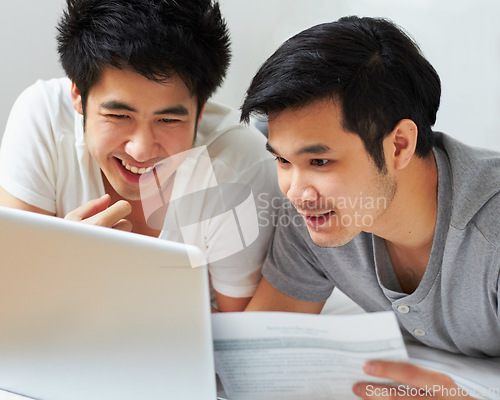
(461, 38)
(27, 47)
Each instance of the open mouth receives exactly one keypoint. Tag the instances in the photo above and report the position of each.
(134, 173)
(136, 170)
(316, 220)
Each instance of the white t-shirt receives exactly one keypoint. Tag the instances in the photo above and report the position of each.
(44, 161)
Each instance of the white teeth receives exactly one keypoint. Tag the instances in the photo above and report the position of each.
(318, 215)
(136, 170)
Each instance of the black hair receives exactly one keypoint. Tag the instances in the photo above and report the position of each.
(372, 68)
(155, 38)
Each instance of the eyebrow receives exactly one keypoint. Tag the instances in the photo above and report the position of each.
(313, 149)
(117, 105)
(174, 110)
(270, 149)
(179, 109)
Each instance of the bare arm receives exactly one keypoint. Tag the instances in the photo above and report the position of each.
(7, 200)
(267, 298)
(230, 304)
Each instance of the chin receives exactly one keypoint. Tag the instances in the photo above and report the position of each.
(332, 239)
(127, 194)
(132, 196)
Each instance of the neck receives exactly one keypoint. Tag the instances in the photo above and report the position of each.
(410, 220)
(408, 225)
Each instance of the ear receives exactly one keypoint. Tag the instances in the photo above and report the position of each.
(400, 145)
(200, 117)
(77, 98)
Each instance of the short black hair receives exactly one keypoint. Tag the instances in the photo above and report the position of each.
(155, 38)
(370, 66)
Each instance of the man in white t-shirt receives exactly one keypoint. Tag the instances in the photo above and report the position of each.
(131, 142)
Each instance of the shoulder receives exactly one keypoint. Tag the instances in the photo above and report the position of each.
(475, 175)
(225, 137)
(487, 221)
(45, 105)
(235, 149)
(53, 94)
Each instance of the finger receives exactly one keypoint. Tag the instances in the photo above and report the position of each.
(408, 374)
(123, 225)
(89, 209)
(112, 215)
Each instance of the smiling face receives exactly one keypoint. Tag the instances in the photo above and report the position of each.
(327, 173)
(132, 123)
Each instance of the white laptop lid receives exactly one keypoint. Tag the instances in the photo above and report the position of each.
(93, 313)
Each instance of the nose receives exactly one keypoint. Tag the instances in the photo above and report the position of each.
(300, 190)
(142, 144)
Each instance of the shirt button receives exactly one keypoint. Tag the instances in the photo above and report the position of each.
(419, 332)
(403, 309)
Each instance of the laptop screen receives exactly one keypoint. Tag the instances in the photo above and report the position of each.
(94, 313)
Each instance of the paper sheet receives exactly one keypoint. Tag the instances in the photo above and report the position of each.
(290, 356)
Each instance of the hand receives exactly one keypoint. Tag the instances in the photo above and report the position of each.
(416, 383)
(99, 212)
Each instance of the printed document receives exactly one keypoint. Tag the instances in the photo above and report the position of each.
(291, 356)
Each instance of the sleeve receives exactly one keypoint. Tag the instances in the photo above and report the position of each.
(291, 265)
(27, 153)
(238, 239)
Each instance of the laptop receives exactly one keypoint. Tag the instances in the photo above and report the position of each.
(94, 313)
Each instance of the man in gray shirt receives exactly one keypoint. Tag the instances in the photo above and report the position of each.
(395, 215)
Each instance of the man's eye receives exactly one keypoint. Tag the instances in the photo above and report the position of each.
(118, 116)
(318, 162)
(281, 160)
(168, 120)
